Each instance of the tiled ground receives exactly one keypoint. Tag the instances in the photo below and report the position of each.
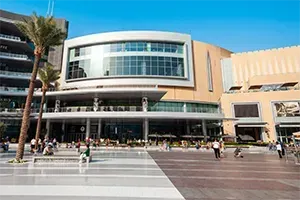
(112, 175)
(133, 174)
(254, 177)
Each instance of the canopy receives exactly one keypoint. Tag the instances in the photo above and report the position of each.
(154, 135)
(246, 138)
(169, 136)
(228, 136)
(297, 134)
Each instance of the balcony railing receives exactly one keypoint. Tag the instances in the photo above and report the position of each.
(10, 73)
(13, 89)
(10, 37)
(100, 109)
(14, 55)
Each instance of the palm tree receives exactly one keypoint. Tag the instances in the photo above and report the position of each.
(47, 75)
(43, 33)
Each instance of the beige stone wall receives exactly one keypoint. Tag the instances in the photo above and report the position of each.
(264, 98)
(200, 92)
(264, 63)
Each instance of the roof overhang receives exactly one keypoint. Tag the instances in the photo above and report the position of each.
(107, 93)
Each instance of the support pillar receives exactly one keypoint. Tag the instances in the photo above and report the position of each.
(99, 128)
(188, 130)
(48, 127)
(63, 130)
(88, 128)
(146, 129)
(204, 130)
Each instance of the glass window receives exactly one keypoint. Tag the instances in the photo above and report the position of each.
(246, 110)
(77, 52)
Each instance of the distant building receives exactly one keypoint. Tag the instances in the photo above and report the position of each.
(16, 62)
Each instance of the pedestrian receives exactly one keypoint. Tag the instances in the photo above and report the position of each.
(32, 145)
(279, 149)
(39, 145)
(270, 145)
(216, 147)
(78, 145)
(282, 148)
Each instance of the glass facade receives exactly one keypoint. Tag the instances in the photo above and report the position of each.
(144, 65)
(144, 46)
(119, 59)
(202, 108)
(164, 106)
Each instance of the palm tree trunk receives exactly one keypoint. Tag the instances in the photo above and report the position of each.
(39, 122)
(26, 113)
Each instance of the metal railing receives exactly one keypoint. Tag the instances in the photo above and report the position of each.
(13, 89)
(11, 73)
(100, 109)
(14, 55)
(10, 37)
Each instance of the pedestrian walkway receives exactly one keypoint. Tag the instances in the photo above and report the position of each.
(138, 174)
(111, 175)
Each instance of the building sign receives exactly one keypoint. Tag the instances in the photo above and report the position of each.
(287, 109)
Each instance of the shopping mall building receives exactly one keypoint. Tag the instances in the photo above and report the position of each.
(135, 84)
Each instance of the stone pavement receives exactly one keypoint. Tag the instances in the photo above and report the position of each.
(134, 174)
(111, 175)
(254, 177)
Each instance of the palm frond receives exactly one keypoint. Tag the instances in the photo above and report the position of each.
(48, 75)
(42, 31)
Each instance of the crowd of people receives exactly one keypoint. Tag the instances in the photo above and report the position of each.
(45, 146)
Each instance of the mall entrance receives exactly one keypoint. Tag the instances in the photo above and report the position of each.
(254, 132)
(122, 130)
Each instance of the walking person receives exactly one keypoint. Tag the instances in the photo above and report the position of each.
(279, 149)
(216, 147)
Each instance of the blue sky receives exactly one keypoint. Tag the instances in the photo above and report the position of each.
(236, 25)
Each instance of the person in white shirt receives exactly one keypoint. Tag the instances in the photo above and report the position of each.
(32, 145)
(279, 149)
(216, 147)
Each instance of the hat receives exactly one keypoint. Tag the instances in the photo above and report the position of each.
(50, 144)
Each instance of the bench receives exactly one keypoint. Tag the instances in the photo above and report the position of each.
(57, 159)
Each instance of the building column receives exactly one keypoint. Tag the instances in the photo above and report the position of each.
(188, 130)
(48, 127)
(99, 128)
(146, 129)
(204, 130)
(88, 128)
(63, 130)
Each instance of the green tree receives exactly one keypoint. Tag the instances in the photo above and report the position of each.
(2, 129)
(47, 75)
(44, 33)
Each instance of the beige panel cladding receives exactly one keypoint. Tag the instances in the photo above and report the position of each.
(264, 99)
(266, 63)
(274, 79)
(200, 92)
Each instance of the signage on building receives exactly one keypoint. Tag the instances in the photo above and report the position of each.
(287, 109)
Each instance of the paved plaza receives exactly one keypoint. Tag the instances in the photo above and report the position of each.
(138, 174)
